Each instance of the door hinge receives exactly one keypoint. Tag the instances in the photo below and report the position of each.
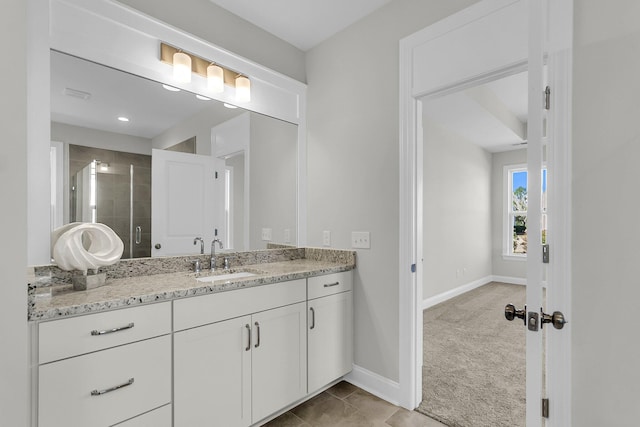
(547, 98)
(545, 254)
(216, 175)
(545, 408)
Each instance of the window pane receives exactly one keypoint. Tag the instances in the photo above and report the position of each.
(519, 196)
(519, 234)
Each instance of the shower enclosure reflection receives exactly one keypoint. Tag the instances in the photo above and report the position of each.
(113, 188)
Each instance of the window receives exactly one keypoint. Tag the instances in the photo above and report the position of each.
(517, 205)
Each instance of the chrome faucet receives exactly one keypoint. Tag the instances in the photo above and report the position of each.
(213, 253)
(195, 241)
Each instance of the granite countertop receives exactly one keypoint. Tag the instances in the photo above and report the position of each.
(53, 302)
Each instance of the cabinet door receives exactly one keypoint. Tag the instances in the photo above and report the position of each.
(212, 375)
(279, 359)
(330, 339)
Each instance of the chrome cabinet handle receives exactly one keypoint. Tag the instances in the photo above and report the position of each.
(313, 318)
(109, 390)
(257, 335)
(138, 235)
(110, 331)
(249, 334)
(328, 285)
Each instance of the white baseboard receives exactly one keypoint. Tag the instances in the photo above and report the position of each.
(511, 280)
(375, 384)
(437, 299)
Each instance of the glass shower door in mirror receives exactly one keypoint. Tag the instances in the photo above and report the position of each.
(113, 188)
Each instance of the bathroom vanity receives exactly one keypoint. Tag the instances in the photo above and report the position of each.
(171, 350)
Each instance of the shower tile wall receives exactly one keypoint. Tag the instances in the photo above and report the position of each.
(113, 192)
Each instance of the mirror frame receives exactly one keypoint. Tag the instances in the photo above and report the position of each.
(121, 37)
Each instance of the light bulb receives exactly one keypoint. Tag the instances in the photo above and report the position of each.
(243, 89)
(215, 78)
(182, 67)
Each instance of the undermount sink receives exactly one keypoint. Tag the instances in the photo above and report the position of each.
(228, 276)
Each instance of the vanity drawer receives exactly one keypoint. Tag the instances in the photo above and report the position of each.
(65, 387)
(64, 338)
(204, 309)
(160, 417)
(329, 284)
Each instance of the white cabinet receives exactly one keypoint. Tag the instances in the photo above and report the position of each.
(105, 387)
(236, 372)
(330, 328)
(279, 359)
(212, 374)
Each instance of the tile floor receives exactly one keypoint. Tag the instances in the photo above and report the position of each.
(349, 406)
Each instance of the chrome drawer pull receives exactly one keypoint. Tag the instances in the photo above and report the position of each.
(110, 331)
(109, 390)
(328, 285)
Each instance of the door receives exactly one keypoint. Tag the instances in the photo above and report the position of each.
(212, 375)
(183, 194)
(279, 359)
(428, 69)
(330, 338)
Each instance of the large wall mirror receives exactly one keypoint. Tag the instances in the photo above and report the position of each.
(163, 166)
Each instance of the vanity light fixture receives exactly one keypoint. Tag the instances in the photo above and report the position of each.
(243, 89)
(217, 76)
(182, 67)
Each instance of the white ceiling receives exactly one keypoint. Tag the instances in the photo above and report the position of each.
(492, 116)
(302, 23)
(113, 93)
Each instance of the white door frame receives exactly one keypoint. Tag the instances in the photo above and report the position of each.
(412, 84)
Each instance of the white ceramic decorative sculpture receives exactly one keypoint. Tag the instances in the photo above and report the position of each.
(104, 246)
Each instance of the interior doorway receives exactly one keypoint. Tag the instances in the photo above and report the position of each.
(428, 66)
(474, 217)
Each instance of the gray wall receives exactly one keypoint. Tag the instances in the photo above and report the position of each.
(273, 159)
(606, 151)
(87, 137)
(457, 211)
(222, 28)
(502, 267)
(13, 224)
(353, 175)
(199, 126)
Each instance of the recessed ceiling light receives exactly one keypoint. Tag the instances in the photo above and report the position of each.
(171, 88)
(123, 119)
(229, 106)
(203, 98)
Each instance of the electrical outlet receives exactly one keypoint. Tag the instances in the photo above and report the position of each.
(266, 234)
(287, 235)
(361, 239)
(326, 238)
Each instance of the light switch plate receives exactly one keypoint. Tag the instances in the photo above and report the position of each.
(326, 238)
(361, 240)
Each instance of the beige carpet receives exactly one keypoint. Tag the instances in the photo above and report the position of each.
(474, 359)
